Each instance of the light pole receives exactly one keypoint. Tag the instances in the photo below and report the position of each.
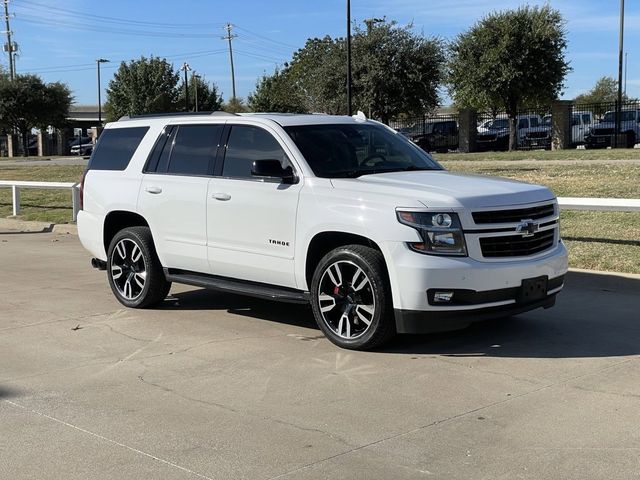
(194, 79)
(98, 62)
(349, 109)
(185, 68)
(620, 49)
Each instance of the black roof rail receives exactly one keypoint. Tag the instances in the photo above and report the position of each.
(173, 114)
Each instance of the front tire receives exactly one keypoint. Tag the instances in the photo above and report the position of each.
(133, 269)
(351, 298)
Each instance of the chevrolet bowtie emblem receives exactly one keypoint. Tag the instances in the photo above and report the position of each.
(527, 228)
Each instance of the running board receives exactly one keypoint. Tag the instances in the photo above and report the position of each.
(240, 287)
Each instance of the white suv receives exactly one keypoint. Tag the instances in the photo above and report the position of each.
(341, 212)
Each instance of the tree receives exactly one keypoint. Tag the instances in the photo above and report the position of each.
(27, 102)
(276, 93)
(318, 73)
(148, 85)
(208, 98)
(510, 58)
(234, 105)
(604, 91)
(394, 71)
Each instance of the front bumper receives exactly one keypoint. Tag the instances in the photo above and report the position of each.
(412, 321)
(483, 289)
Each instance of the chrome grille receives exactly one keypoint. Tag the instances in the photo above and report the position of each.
(514, 215)
(517, 245)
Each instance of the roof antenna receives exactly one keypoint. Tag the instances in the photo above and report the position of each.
(360, 116)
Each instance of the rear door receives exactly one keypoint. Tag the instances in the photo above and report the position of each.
(173, 194)
(251, 222)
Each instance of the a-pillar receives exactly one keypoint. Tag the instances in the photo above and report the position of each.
(467, 129)
(561, 111)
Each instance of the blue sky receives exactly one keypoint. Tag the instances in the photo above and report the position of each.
(61, 40)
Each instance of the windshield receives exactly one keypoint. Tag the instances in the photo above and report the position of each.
(627, 116)
(348, 150)
(546, 121)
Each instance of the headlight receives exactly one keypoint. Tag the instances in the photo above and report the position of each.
(441, 233)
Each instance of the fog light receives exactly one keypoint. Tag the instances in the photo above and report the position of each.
(442, 297)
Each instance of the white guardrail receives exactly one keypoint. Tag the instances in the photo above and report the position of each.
(566, 203)
(16, 186)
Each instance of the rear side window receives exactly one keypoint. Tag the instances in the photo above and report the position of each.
(115, 148)
(246, 144)
(194, 149)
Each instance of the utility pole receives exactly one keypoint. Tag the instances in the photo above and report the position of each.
(620, 49)
(185, 68)
(349, 108)
(229, 37)
(626, 61)
(98, 62)
(10, 46)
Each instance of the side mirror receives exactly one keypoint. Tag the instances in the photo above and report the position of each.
(272, 169)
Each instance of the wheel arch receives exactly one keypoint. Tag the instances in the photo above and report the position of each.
(117, 220)
(323, 242)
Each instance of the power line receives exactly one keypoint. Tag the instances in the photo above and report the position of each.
(289, 45)
(86, 15)
(107, 29)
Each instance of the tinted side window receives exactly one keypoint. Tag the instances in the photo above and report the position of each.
(115, 148)
(160, 150)
(246, 144)
(194, 149)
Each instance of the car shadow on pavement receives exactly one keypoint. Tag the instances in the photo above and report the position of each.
(8, 392)
(586, 322)
(202, 299)
(596, 316)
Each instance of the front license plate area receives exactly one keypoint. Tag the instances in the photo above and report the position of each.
(533, 289)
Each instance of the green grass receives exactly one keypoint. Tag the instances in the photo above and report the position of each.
(563, 155)
(606, 179)
(607, 241)
(52, 206)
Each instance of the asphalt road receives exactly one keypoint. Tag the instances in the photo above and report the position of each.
(214, 386)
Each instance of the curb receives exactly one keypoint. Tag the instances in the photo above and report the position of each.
(9, 225)
(15, 225)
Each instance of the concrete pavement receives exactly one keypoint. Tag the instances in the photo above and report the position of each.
(213, 386)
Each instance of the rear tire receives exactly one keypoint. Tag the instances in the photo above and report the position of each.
(133, 269)
(631, 139)
(351, 298)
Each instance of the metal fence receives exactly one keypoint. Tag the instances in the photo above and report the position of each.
(602, 125)
(597, 125)
(434, 133)
(533, 130)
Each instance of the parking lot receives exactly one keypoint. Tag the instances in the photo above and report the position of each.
(215, 386)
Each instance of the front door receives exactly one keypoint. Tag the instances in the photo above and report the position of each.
(250, 221)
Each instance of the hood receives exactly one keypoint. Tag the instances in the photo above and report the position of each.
(439, 188)
(624, 124)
